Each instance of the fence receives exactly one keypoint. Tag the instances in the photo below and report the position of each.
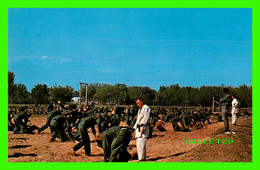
(31, 109)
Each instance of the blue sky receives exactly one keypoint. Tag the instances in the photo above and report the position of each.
(141, 47)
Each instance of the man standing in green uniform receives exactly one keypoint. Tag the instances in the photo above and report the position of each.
(114, 142)
(50, 107)
(225, 103)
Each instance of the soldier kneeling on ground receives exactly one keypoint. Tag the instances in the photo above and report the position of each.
(20, 121)
(60, 127)
(114, 142)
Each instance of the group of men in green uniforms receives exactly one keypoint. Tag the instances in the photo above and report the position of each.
(113, 138)
(19, 122)
(186, 118)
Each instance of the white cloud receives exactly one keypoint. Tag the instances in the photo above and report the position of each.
(21, 57)
(106, 70)
(66, 60)
(44, 57)
(31, 56)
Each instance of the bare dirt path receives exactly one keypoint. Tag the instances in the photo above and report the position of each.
(168, 146)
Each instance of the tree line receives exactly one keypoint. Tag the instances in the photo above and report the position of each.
(121, 94)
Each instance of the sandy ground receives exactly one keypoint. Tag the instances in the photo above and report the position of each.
(168, 146)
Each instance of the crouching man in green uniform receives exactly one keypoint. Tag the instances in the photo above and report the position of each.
(60, 127)
(82, 134)
(114, 143)
(48, 120)
(20, 121)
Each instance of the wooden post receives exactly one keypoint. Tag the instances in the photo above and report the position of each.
(86, 99)
(213, 105)
(79, 94)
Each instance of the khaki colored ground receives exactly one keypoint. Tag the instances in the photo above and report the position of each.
(168, 146)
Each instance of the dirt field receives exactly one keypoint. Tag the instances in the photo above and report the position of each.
(168, 146)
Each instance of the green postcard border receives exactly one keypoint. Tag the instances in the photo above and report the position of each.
(121, 4)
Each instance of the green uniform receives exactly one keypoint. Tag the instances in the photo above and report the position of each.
(50, 107)
(76, 116)
(195, 118)
(131, 117)
(60, 127)
(84, 124)
(225, 103)
(155, 117)
(174, 119)
(20, 122)
(114, 142)
(49, 117)
(186, 119)
(102, 123)
(115, 120)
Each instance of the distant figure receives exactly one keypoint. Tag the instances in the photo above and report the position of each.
(142, 128)
(50, 107)
(225, 103)
(234, 110)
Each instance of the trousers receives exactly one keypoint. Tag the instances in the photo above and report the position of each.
(141, 148)
(234, 118)
(224, 110)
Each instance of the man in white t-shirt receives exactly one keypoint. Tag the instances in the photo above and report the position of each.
(142, 128)
(234, 110)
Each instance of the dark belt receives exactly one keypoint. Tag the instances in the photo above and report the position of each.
(139, 126)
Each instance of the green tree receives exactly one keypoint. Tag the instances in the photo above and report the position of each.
(146, 93)
(75, 93)
(11, 86)
(62, 94)
(20, 95)
(173, 96)
(104, 93)
(161, 97)
(121, 94)
(244, 95)
(92, 89)
(40, 94)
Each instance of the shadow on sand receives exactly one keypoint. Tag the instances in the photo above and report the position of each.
(155, 159)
